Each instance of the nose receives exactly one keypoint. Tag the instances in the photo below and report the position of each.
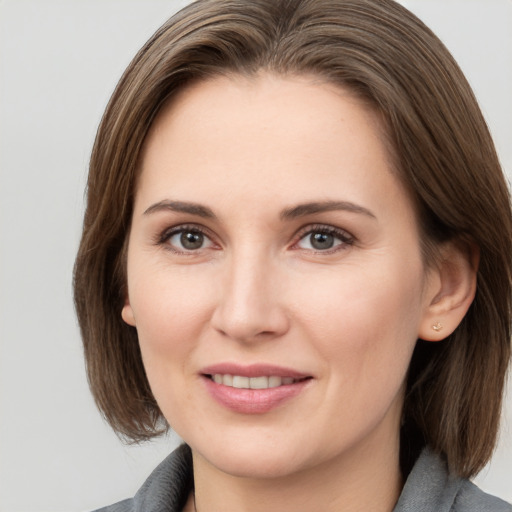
(250, 306)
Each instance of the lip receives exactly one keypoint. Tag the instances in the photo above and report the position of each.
(253, 401)
(253, 370)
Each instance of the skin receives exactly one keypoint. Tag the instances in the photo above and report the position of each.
(257, 291)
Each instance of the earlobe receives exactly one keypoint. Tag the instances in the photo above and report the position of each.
(127, 313)
(450, 291)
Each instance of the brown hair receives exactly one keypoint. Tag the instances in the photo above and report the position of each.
(444, 154)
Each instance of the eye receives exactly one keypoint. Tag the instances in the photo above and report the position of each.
(324, 239)
(186, 239)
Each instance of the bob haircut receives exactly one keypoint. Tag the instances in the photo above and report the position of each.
(442, 151)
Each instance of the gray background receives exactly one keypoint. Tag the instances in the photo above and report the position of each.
(59, 62)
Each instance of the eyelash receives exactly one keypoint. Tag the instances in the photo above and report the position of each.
(164, 238)
(343, 236)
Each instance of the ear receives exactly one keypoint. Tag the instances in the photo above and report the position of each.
(127, 313)
(450, 290)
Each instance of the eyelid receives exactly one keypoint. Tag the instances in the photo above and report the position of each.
(346, 238)
(164, 236)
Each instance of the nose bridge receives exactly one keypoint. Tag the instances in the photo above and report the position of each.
(250, 305)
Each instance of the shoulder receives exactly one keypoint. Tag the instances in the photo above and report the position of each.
(165, 490)
(430, 488)
(122, 506)
(472, 499)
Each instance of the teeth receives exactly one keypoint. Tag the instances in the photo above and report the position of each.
(258, 382)
(263, 382)
(240, 382)
(274, 382)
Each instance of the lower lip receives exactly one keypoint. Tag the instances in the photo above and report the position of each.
(253, 401)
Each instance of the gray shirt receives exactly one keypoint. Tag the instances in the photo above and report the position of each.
(429, 488)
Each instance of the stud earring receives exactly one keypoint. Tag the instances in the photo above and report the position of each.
(437, 326)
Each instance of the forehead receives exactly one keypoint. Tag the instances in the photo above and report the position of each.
(274, 136)
(263, 99)
(259, 101)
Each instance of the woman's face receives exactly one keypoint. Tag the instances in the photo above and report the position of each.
(273, 248)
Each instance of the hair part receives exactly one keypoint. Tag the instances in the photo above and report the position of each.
(444, 156)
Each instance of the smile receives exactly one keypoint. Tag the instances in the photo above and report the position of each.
(255, 388)
(242, 382)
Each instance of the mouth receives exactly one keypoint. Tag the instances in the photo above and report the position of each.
(259, 382)
(253, 389)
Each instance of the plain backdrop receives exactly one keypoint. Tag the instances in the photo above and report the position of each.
(59, 62)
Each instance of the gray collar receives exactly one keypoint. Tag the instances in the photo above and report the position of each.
(429, 488)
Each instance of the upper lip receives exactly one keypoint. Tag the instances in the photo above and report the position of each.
(253, 370)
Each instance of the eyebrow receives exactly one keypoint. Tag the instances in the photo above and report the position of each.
(301, 210)
(181, 207)
(305, 209)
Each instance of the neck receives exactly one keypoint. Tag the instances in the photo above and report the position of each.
(367, 478)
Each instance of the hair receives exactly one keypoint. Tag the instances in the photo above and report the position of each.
(444, 155)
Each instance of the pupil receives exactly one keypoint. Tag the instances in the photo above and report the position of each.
(322, 240)
(191, 240)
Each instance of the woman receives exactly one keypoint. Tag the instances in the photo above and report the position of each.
(296, 253)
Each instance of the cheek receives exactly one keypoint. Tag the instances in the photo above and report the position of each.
(170, 313)
(365, 323)
(367, 341)
(169, 324)
(168, 306)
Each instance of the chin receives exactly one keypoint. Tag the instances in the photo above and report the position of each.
(257, 458)
(255, 464)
